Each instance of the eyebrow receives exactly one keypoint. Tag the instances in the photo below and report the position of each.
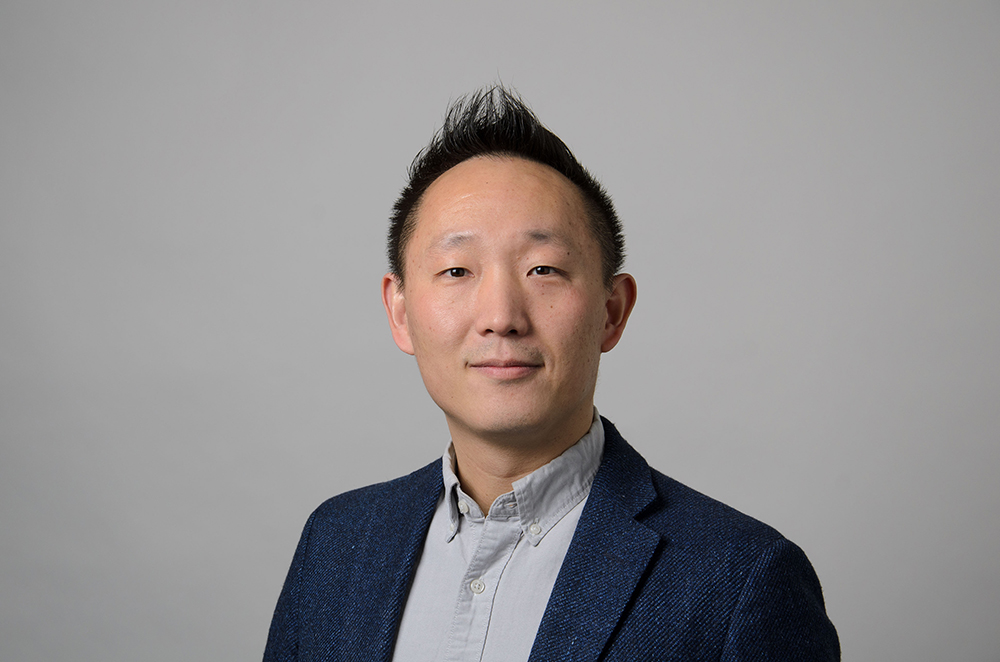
(450, 241)
(454, 240)
(544, 237)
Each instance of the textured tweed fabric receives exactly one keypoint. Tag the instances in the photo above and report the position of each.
(655, 571)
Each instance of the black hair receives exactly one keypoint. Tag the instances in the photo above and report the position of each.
(496, 122)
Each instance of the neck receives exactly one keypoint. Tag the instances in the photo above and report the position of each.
(488, 466)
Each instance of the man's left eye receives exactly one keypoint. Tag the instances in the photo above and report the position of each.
(542, 271)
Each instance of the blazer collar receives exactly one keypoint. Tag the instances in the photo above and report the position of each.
(605, 561)
(383, 577)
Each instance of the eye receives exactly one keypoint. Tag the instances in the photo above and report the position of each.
(457, 272)
(542, 271)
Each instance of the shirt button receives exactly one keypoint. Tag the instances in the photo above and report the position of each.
(535, 529)
(477, 586)
(463, 507)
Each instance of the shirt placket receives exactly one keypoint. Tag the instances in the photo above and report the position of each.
(470, 625)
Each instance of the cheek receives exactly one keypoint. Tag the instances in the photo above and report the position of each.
(580, 331)
(435, 325)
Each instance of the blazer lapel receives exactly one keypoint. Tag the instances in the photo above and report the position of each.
(384, 570)
(605, 561)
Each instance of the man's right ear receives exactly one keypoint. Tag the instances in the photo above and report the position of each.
(395, 310)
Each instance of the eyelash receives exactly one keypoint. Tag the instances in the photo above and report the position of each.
(541, 270)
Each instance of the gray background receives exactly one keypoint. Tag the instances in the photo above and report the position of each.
(193, 353)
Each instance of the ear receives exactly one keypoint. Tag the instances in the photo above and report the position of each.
(395, 310)
(619, 307)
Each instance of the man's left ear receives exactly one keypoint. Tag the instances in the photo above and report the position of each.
(619, 307)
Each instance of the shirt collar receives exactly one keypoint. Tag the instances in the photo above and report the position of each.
(541, 498)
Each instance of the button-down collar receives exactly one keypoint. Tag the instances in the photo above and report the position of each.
(538, 500)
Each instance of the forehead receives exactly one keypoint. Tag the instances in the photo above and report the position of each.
(490, 197)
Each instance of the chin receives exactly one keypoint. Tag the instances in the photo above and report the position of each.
(497, 422)
(508, 424)
(512, 423)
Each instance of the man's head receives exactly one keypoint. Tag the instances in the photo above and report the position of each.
(507, 305)
(496, 122)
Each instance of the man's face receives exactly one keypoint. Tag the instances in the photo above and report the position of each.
(504, 304)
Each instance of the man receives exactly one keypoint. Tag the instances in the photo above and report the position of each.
(541, 534)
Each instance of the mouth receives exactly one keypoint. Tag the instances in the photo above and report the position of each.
(505, 369)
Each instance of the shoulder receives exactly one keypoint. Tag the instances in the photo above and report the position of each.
(677, 512)
(688, 517)
(357, 548)
(727, 577)
(382, 501)
(707, 546)
(714, 545)
(367, 525)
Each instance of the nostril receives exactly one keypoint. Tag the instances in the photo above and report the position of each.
(507, 332)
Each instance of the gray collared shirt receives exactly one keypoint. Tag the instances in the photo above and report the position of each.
(482, 582)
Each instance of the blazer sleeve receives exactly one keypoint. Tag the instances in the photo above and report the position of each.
(283, 637)
(780, 615)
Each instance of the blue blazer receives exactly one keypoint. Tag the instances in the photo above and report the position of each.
(655, 571)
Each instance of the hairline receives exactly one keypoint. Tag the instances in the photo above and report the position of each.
(594, 216)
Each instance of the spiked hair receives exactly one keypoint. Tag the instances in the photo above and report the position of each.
(496, 122)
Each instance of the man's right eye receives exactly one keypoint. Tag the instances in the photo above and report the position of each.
(457, 272)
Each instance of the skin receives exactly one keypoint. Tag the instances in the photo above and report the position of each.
(505, 309)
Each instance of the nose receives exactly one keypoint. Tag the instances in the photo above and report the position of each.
(501, 307)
